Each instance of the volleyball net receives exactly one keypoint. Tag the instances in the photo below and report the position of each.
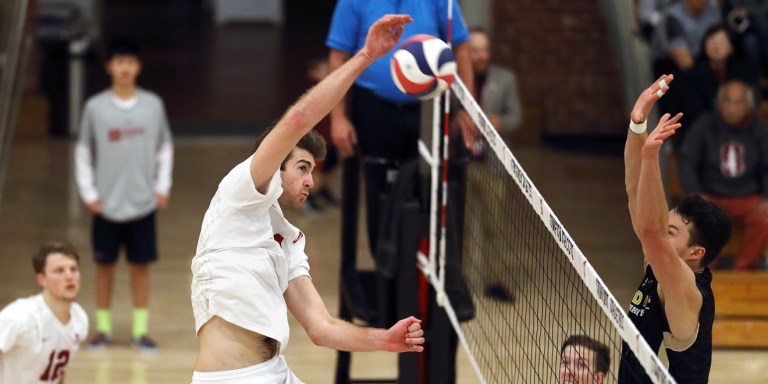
(531, 286)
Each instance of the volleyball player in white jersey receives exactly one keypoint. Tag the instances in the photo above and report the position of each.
(250, 267)
(40, 334)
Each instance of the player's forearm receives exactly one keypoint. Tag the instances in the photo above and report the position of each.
(326, 95)
(164, 160)
(651, 215)
(344, 336)
(84, 175)
(632, 163)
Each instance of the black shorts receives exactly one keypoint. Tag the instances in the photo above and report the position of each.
(137, 236)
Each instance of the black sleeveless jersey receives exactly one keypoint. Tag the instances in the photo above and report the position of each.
(646, 312)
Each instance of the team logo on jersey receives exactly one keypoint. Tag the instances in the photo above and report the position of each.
(639, 303)
(117, 134)
(732, 162)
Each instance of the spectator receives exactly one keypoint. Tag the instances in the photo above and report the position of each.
(40, 334)
(649, 15)
(748, 19)
(718, 62)
(724, 158)
(584, 360)
(677, 38)
(496, 87)
(127, 129)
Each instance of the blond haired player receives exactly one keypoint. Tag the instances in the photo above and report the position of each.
(40, 334)
(250, 268)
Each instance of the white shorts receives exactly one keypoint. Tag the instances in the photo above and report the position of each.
(241, 289)
(272, 371)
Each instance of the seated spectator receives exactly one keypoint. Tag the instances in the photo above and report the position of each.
(496, 86)
(748, 20)
(718, 62)
(677, 40)
(649, 14)
(583, 360)
(724, 158)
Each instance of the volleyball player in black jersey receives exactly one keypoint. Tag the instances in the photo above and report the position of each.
(674, 303)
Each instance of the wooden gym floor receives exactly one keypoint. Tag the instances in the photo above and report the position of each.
(40, 202)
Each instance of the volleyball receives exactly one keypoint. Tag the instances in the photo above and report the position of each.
(423, 66)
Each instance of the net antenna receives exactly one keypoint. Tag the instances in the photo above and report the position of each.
(541, 364)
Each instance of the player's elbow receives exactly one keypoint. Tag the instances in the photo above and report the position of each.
(648, 232)
(296, 116)
(319, 333)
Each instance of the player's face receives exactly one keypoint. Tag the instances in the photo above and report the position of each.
(479, 51)
(679, 232)
(123, 69)
(61, 277)
(577, 366)
(297, 179)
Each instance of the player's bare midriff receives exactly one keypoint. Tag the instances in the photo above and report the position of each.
(225, 346)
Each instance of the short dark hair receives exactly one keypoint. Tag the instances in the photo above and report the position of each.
(123, 47)
(41, 256)
(711, 227)
(602, 353)
(312, 142)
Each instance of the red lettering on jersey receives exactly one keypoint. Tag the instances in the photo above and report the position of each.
(279, 239)
(117, 134)
(301, 234)
(114, 134)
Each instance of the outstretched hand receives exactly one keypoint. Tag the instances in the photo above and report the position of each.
(384, 34)
(666, 128)
(645, 101)
(405, 336)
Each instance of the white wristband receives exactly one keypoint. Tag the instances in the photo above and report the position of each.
(638, 129)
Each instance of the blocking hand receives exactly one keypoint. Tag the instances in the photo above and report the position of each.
(650, 96)
(666, 128)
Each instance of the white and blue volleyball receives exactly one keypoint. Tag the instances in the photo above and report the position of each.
(423, 66)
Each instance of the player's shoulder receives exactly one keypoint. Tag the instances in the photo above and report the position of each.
(20, 311)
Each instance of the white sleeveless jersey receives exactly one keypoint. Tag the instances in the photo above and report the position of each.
(35, 347)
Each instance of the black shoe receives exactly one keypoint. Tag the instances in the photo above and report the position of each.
(461, 300)
(498, 292)
(145, 344)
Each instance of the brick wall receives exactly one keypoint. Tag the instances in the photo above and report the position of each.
(569, 78)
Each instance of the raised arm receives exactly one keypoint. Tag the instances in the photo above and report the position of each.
(307, 306)
(315, 104)
(636, 138)
(677, 282)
